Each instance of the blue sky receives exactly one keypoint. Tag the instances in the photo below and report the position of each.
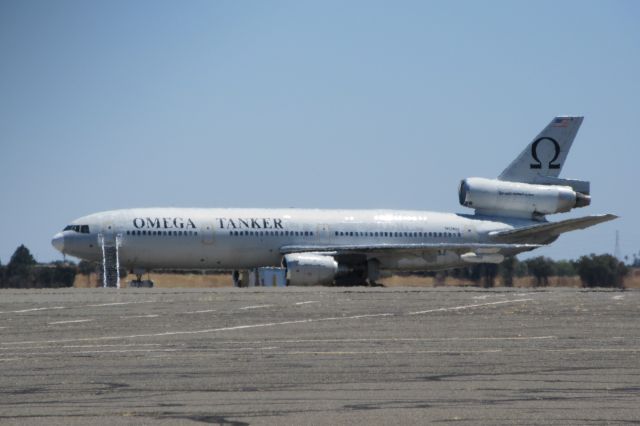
(327, 104)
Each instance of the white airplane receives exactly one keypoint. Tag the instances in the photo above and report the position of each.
(352, 246)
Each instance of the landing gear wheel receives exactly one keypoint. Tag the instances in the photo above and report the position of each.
(139, 282)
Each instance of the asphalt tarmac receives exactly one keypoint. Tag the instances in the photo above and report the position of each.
(319, 356)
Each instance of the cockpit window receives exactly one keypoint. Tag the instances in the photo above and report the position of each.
(83, 229)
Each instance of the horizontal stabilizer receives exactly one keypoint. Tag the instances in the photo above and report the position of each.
(548, 232)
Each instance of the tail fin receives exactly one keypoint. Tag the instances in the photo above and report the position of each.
(543, 158)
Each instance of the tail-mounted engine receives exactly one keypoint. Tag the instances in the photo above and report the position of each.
(503, 198)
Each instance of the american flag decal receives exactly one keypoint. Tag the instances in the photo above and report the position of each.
(561, 122)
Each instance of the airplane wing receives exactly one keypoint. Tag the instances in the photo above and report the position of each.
(418, 249)
(547, 232)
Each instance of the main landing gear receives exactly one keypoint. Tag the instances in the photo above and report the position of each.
(139, 282)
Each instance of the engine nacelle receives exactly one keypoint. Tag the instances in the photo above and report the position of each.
(502, 197)
(310, 269)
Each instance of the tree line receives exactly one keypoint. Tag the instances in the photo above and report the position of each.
(23, 271)
(602, 270)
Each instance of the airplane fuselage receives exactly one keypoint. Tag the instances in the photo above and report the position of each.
(230, 239)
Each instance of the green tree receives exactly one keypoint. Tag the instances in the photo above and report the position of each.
(601, 271)
(565, 268)
(507, 270)
(489, 271)
(21, 257)
(541, 268)
(19, 268)
(86, 268)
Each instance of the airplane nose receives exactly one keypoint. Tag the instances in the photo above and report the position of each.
(58, 242)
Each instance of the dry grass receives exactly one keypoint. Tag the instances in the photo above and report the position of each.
(417, 281)
(167, 280)
(631, 281)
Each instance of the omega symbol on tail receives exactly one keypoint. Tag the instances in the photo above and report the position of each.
(534, 154)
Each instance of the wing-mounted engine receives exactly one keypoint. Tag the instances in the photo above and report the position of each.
(310, 269)
(515, 199)
(304, 269)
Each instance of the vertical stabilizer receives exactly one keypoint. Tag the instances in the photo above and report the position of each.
(545, 155)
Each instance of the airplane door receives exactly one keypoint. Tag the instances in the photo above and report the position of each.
(470, 233)
(207, 233)
(108, 236)
(323, 232)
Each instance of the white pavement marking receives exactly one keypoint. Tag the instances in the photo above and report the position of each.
(256, 307)
(120, 303)
(594, 350)
(140, 316)
(393, 339)
(477, 305)
(115, 351)
(200, 312)
(307, 302)
(263, 325)
(122, 345)
(33, 310)
(21, 311)
(71, 321)
(618, 297)
(444, 352)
